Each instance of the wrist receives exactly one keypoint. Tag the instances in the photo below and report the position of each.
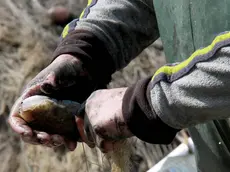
(91, 51)
(141, 118)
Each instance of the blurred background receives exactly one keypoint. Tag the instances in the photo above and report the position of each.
(29, 32)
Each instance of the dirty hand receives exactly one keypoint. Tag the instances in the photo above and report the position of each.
(104, 125)
(63, 77)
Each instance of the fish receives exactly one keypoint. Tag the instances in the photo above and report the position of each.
(54, 116)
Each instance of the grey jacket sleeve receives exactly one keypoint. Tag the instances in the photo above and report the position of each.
(200, 95)
(109, 34)
(125, 26)
(181, 95)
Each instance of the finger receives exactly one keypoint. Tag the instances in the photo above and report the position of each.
(29, 92)
(43, 137)
(30, 139)
(84, 138)
(57, 140)
(38, 138)
(15, 121)
(20, 126)
(49, 85)
(71, 145)
(109, 146)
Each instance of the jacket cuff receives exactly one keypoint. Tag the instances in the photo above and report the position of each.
(91, 51)
(140, 117)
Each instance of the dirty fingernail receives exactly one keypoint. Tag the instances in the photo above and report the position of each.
(26, 134)
(57, 140)
(56, 144)
(41, 139)
(46, 88)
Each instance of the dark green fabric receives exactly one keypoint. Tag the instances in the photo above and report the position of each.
(187, 25)
(174, 24)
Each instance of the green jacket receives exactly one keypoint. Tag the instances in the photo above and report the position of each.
(187, 25)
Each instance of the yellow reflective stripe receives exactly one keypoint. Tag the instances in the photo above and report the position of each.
(65, 31)
(83, 12)
(169, 70)
(67, 27)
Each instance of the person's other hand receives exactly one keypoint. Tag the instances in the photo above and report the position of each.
(104, 125)
(64, 78)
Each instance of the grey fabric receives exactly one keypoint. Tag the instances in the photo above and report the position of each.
(126, 27)
(200, 96)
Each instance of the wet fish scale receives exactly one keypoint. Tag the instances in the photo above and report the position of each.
(53, 116)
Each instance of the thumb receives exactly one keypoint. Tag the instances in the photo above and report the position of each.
(49, 85)
(83, 134)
